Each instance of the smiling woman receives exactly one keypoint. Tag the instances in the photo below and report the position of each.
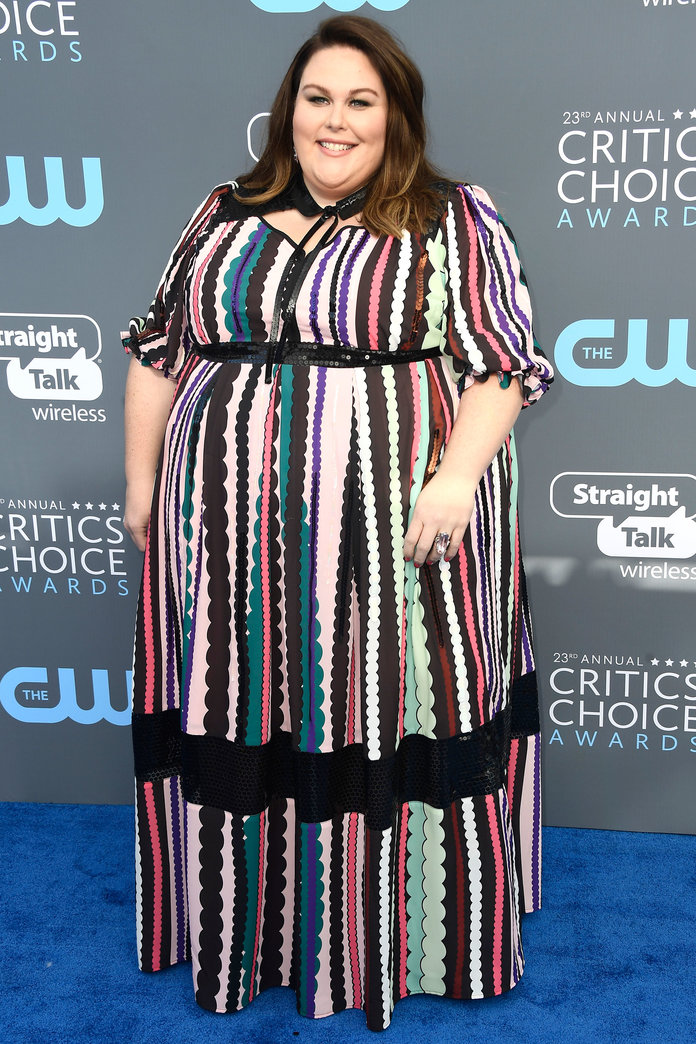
(335, 717)
(340, 122)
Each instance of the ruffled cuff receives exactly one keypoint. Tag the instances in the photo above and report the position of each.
(533, 382)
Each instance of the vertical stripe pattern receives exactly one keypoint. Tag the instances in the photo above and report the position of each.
(337, 755)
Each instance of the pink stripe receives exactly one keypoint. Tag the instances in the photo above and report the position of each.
(265, 565)
(403, 934)
(200, 326)
(352, 927)
(148, 792)
(413, 373)
(259, 900)
(473, 268)
(472, 631)
(498, 901)
(375, 288)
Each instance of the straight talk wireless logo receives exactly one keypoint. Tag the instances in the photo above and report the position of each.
(644, 516)
(54, 360)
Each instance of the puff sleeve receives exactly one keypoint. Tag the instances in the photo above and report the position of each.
(489, 323)
(159, 338)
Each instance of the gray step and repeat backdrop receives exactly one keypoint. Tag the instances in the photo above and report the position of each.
(580, 118)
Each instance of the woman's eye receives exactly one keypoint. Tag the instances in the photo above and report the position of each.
(317, 99)
(360, 103)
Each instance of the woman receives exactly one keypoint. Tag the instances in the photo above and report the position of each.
(335, 719)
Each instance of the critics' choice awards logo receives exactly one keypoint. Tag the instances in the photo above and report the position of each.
(630, 168)
(592, 354)
(601, 701)
(39, 31)
(641, 515)
(43, 696)
(54, 359)
(50, 548)
(301, 6)
(56, 208)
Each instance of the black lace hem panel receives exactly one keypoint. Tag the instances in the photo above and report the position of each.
(222, 774)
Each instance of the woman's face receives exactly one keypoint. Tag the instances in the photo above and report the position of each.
(339, 123)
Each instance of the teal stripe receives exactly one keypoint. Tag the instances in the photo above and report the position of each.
(416, 896)
(255, 635)
(236, 320)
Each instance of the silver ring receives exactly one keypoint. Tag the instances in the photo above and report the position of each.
(442, 542)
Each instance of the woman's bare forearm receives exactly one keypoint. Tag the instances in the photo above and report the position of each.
(148, 402)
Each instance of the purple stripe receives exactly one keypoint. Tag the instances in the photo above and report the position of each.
(522, 316)
(527, 648)
(182, 422)
(507, 831)
(178, 871)
(493, 288)
(344, 288)
(495, 217)
(316, 285)
(310, 950)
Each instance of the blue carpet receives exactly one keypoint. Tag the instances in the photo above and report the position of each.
(610, 957)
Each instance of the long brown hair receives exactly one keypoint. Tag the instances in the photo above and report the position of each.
(402, 194)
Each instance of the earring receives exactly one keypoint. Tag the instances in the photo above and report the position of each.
(294, 153)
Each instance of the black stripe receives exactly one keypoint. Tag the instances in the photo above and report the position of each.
(243, 779)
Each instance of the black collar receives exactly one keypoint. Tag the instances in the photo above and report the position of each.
(299, 197)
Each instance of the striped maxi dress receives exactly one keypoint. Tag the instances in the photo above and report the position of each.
(337, 754)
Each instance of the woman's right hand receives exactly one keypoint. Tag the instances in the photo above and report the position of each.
(136, 516)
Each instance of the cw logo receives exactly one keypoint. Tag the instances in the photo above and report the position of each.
(584, 355)
(56, 207)
(300, 6)
(27, 694)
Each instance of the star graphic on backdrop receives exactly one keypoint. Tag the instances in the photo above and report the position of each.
(76, 506)
(655, 663)
(102, 507)
(678, 114)
(88, 507)
(115, 507)
(692, 114)
(683, 663)
(669, 663)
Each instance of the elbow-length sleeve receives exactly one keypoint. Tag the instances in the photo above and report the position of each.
(159, 338)
(489, 324)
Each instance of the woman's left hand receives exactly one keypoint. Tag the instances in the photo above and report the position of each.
(444, 505)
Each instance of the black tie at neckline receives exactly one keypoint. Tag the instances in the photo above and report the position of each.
(299, 198)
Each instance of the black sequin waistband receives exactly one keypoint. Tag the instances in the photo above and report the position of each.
(307, 353)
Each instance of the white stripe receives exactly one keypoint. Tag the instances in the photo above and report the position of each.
(386, 907)
(457, 643)
(399, 295)
(372, 609)
(475, 896)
